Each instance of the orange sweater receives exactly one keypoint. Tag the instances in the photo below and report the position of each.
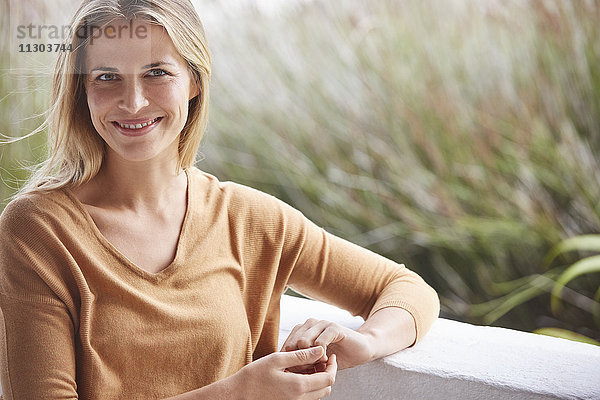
(79, 320)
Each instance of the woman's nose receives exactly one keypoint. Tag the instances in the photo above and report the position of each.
(133, 98)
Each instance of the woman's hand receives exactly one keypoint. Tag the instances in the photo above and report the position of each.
(386, 331)
(352, 348)
(270, 377)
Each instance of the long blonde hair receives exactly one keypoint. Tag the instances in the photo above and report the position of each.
(76, 149)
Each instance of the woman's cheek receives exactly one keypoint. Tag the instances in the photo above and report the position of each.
(98, 99)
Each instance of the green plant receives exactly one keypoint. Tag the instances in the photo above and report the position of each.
(585, 266)
(460, 138)
(566, 334)
(554, 281)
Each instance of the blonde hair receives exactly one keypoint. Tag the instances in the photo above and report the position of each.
(76, 149)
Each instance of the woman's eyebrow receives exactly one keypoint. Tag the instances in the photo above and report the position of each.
(108, 69)
(157, 64)
(147, 66)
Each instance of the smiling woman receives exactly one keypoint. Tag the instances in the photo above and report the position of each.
(138, 105)
(126, 272)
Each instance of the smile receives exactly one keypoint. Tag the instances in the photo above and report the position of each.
(137, 125)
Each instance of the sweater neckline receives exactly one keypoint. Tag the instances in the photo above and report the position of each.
(163, 273)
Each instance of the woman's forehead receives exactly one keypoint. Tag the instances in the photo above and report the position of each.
(129, 43)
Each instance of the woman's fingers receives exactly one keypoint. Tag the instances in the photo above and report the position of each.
(331, 334)
(352, 347)
(313, 333)
(298, 358)
(321, 382)
(315, 385)
(303, 335)
(268, 377)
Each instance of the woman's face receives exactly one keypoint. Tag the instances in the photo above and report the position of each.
(138, 88)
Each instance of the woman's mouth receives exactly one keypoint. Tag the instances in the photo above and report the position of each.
(138, 127)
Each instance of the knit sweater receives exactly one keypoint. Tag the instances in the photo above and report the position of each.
(80, 320)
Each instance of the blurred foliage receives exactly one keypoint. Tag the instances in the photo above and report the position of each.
(25, 81)
(524, 289)
(587, 265)
(459, 137)
(566, 334)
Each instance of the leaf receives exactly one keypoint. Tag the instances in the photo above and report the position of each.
(583, 242)
(566, 334)
(496, 308)
(585, 266)
(596, 312)
(512, 301)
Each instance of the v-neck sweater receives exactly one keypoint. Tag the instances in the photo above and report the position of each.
(80, 320)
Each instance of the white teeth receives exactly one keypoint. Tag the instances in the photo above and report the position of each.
(137, 126)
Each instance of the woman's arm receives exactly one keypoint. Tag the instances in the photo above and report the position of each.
(37, 355)
(386, 331)
(396, 303)
(284, 375)
(37, 331)
(389, 330)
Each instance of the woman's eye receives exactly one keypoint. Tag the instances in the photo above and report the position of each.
(157, 72)
(109, 76)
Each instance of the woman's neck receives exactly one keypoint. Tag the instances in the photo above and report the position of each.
(141, 187)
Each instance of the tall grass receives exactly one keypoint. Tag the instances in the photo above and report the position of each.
(25, 80)
(459, 137)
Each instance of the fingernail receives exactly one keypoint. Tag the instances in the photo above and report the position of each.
(315, 351)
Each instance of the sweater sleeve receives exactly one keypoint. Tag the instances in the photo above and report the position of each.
(37, 352)
(333, 270)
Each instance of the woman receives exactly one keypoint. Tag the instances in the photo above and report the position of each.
(126, 272)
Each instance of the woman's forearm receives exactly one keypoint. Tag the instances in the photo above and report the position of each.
(389, 330)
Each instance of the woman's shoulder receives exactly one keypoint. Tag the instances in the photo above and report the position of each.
(33, 208)
(235, 194)
(244, 203)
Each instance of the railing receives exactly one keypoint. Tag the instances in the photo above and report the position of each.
(462, 361)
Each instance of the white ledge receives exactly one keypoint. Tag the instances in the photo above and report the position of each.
(462, 361)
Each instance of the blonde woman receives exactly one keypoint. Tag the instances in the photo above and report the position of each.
(126, 272)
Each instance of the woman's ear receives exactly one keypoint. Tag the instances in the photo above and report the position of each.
(194, 86)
